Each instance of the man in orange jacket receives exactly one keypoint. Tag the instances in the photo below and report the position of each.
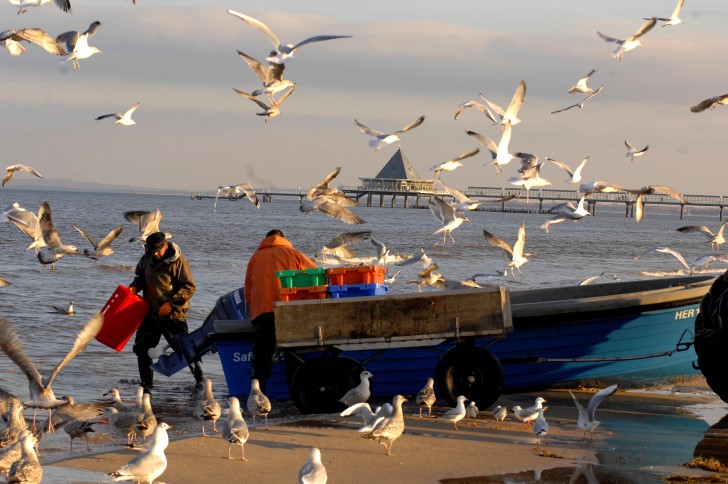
(262, 290)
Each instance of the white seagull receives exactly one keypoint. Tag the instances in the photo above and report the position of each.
(147, 221)
(675, 17)
(574, 175)
(581, 86)
(586, 421)
(27, 222)
(270, 76)
(271, 111)
(330, 201)
(313, 471)
(499, 414)
(528, 415)
(69, 310)
(383, 139)
(471, 411)
(234, 430)
(480, 107)
(11, 39)
(359, 393)
(258, 404)
(208, 408)
(18, 167)
(24, 5)
(576, 214)
(456, 414)
(674, 253)
(370, 417)
(282, 51)
(77, 44)
(630, 43)
(102, 248)
(710, 103)
(508, 116)
(235, 190)
(121, 119)
(499, 152)
(445, 213)
(540, 426)
(716, 240)
(450, 165)
(633, 152)
(651, 190)
(149, 465)
(50, 234)
(516, 253)
(462, 201)
(581, 103)
(389, 428)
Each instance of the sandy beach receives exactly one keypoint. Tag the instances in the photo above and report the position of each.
(429, 451)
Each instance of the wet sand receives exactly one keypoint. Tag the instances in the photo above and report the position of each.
(429, 451)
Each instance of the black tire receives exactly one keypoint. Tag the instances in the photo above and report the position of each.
(318, 383)
(711, 338)
(472, 372)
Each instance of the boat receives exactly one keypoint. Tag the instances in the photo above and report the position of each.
(631, 332)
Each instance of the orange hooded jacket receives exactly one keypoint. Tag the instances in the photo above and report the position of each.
(262, 287)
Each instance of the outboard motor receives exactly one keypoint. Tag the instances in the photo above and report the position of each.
(189, 348)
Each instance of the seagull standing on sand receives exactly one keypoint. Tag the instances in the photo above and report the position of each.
(508, 116)
(391, 428)
(149, 465)
(359, 393)
(471, 411)
(716, 240)
(122, 424)
(77, 44)
(630, 43)
(383, 139)
(426, 396)
(269, 111)
(41, 393)
(103, 248)
(499, 152)
(525, 415)
(11, 453)
(710, 103)
(234, 430)
(11, 40)
(313, 471)
(586, 420)
(258, 404)
(368, 416)
(282, 51)
(122, 119)
(517, 256)
(540, 426)
(14, 424)
(208, 408)
(27, 469)
(146, 420)
(13, 168)
(581, 86)
(454, 415)
(499, 414)
(633, 152)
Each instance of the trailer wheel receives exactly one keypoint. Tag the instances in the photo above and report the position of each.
(472, 372)
(318, 383)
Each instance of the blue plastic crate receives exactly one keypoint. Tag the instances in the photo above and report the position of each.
(356, 290)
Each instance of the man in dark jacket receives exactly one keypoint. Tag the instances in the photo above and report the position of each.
(163, 274)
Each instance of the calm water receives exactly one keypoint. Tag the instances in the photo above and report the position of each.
(219, 244)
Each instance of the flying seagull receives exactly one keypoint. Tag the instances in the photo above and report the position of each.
(282, 52)
(122, 119)
(13, 168)
(599, 186)
(710, 103)
(508, 116)
(651, 190)
(586, 421)
(11, 40)
(630, 43)
(268, 111)
(24, 5)
(103, 248)
(633, 152)
(716, 240)
(50, 234)
(581, 103)
(235, 190)
(77, 44)
(27, 222)
(667, 250)
(463, 201)
(480, 107)
(577, 213)
(330, 201)
(516, 253)
(674, 18)
(581, 86)
(450, 165)
(383, 139)
(148, 223)
(575, 175)
(499, 152)
(445, 213)
(270, 76)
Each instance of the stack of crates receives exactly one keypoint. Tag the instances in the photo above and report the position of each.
(356, 281)
(297, 285)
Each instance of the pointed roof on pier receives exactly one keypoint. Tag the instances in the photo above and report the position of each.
(399, 168)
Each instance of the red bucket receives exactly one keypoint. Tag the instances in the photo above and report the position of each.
(123, 313)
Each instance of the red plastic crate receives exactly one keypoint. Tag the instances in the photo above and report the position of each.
(342, 276)
(303, 293)
(123, 313)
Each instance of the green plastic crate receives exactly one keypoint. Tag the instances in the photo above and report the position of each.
(302, 278)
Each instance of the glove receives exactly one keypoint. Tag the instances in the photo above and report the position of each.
(133, 289)
(165, 309)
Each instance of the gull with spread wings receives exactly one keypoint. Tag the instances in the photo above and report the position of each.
(24, 5)
(18, 167)
(330, 201)
(716, 240)
(518, 258)
(270, 76)
(508, 116)
(77, 44)
(499, 152)
(450, 165)
(574, 175)
(581, 86)
(268, 111)
(11, 39)
(710, 103)
(631, 42)
(383, 139)
(581, 103)
(103, 248)
(652, 190)
(445, 213)
(235, 190)
(121, 119)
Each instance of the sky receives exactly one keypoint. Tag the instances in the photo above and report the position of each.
(405, 59)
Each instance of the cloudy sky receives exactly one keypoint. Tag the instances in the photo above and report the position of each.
(405, 59)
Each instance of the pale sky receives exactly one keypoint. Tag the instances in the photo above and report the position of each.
(405, 59)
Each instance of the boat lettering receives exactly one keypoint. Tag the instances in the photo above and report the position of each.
(239, 357)
(687, 313)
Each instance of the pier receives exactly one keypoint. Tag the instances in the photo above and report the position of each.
(542, 198)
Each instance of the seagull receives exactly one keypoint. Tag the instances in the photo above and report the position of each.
(330, 201)
(633, 152)
(517, 256)
(499, 414)
(591, 279)
(528, 415)
(116, 401)
(530, 181)
(77, 44)
(630, 43)
(342, 240)
(577, 214)
(580, 104)
(391, 279)
(11, 453)
(540, 426)
(471, 411)
(122, 119)
(445, 213)
(258, 404)
(77, 429)
(270, 76)
(208, 408)
(24, 5)
(499, 152)
(390, 428)
(146, 420)
(268, 111)
(13, 168)
(456, 414)
(508, 116)
(14, 423)
(282, 52)
(716, 240)
(423, 257)
(368, 416)
(581, 86)
(710, 103)
(675, 17)
(428, 277)
(359, 393)
(463, 201)
(575, 175)
(149, 465)
(50, 235)
(599, 186)
(651, 190)
(313, 471)
(41, 393)
(103, 248)
(27, 222)
(231, 191)
(148, 223)
(11, 41)
(480, 107)
(382, 252)
(73, 412)
(450, 165)
(586, 420)
(383, 139)
(123, 424)
(426, 396)
(667, 250)
(26, 469)
(65, 310)
(234, 430)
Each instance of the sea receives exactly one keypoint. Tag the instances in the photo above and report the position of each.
(219, 242)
